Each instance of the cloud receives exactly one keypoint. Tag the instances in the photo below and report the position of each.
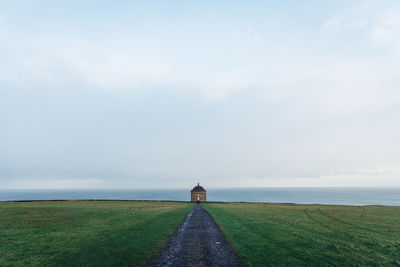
(333, 23)
(141, 104)
(340, 23)
(387, 30)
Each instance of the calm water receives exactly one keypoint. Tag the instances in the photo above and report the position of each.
(346, 196)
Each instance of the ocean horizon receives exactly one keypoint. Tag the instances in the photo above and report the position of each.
(301, 195)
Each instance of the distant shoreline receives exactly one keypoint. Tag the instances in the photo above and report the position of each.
(182, 201)
(347, 197)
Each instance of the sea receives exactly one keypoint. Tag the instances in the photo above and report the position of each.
(340, 196)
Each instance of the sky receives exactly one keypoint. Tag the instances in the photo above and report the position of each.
(165, 94)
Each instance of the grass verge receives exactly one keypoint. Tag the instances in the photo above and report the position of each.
(86, 233)
(310, 235)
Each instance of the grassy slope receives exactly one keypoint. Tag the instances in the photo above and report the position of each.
(94, 233)
(312, 235)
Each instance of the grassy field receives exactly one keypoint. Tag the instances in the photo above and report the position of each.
(85, 233)
(311, 235)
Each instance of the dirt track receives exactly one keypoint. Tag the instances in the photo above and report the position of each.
(198, 241)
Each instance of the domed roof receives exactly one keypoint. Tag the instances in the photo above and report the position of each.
(197, 188)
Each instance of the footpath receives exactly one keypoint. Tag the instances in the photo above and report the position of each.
(198, 241)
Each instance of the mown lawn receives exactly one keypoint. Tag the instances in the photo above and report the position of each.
(311, 235)
(86, 233)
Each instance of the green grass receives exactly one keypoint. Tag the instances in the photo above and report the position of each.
(86, 233)
(311, 235)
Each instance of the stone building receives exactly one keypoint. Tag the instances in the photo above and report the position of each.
(198, 194)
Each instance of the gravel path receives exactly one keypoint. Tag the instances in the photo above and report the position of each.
(198, 241)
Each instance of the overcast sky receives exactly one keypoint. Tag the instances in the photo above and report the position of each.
(141, 94)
